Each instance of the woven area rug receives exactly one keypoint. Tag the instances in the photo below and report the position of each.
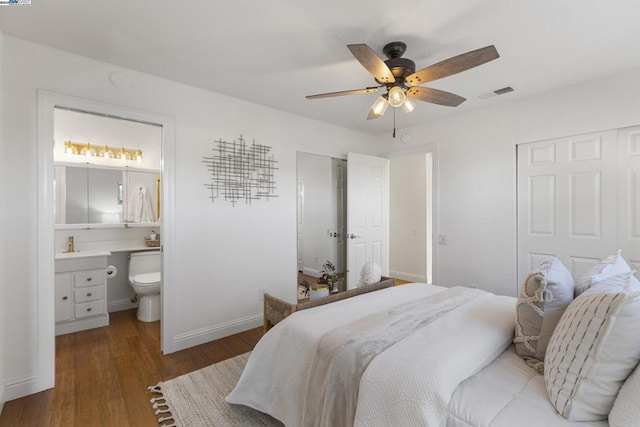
(197, 398)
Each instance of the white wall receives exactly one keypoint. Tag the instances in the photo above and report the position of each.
(224, 254)
(477, 170)
(408, 217)
(2, 220)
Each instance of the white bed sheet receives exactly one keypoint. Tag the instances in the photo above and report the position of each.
(506, 393)
(409, 384)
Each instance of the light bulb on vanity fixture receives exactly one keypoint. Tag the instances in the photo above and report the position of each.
(124, 155)
(106, 153)
(69, 148)
(138, 156)
(88, 151)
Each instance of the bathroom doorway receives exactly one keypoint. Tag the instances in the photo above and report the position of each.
(117, 164)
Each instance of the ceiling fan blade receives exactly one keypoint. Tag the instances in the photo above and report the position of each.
(344, 92)
(454, 65)
(372, 62)
(435, 96)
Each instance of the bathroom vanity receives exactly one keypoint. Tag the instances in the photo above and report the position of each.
(80, 291)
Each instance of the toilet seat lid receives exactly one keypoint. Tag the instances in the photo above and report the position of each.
(147, 278)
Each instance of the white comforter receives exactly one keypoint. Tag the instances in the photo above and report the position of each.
(409, 384)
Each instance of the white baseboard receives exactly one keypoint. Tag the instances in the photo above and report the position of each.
(211, 333)
(82, 324)
(311, 271)
(408, 276)
(121, 305)
(20, 387)
(1, 397)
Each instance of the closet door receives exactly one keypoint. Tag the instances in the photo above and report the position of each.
(629, 202)
(567, 201)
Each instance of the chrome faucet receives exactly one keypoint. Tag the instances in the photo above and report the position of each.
(70, 247)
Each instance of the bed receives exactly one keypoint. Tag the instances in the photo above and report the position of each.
(457, 368)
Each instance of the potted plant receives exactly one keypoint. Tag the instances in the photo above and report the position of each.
(305, 287)
(329, 276)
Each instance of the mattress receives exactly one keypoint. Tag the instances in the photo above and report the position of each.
(506, 393)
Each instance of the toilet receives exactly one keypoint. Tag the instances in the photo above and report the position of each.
(145, 279)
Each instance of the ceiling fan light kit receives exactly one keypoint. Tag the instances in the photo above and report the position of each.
(401, 81)
(378, 108)
(396, 96)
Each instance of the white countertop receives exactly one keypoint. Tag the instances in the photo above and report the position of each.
(107, 246)
(81, 254)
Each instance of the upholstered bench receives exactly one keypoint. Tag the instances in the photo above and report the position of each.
(276, 309)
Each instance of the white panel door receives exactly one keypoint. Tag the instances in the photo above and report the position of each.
(367, 214)
(629, 204)
(567, 201)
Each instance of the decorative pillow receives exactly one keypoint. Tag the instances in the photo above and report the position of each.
(594, 348)
(626, 408)
(545, 295)
(610, 266)
(370, 273)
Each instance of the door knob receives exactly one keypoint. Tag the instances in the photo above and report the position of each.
(353, 236)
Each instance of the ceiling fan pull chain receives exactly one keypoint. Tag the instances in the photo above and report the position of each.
(394, 122)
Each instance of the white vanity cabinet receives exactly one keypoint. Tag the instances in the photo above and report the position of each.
(81, 292)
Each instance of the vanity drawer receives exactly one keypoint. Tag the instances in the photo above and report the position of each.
(90, 277)
(92, 308)
(89, 293)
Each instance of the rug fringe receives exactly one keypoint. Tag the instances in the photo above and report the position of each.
(161, 405)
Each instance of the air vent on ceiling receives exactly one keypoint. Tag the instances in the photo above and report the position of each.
(496, 92)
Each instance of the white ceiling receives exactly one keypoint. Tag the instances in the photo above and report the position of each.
(277, 51)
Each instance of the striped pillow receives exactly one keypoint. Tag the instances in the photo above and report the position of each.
(594, 348)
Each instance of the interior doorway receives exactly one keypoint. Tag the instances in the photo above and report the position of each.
(412, 219)
(47, 104)
(321, 215)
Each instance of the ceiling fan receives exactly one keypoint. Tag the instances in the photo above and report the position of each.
(399, 76)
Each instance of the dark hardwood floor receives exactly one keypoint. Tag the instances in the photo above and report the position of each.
(102, 375)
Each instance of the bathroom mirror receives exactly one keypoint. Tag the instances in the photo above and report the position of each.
(321, 213)
(85, 194)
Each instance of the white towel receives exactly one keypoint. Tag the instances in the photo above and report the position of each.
(139, 206)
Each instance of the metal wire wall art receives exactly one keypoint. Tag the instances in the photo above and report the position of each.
(240, 171)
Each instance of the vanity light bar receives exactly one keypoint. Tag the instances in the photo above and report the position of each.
(90, 150)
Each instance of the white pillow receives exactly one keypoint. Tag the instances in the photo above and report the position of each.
(626, 409)
(594, 348)
(608, 267)
(545, 295)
